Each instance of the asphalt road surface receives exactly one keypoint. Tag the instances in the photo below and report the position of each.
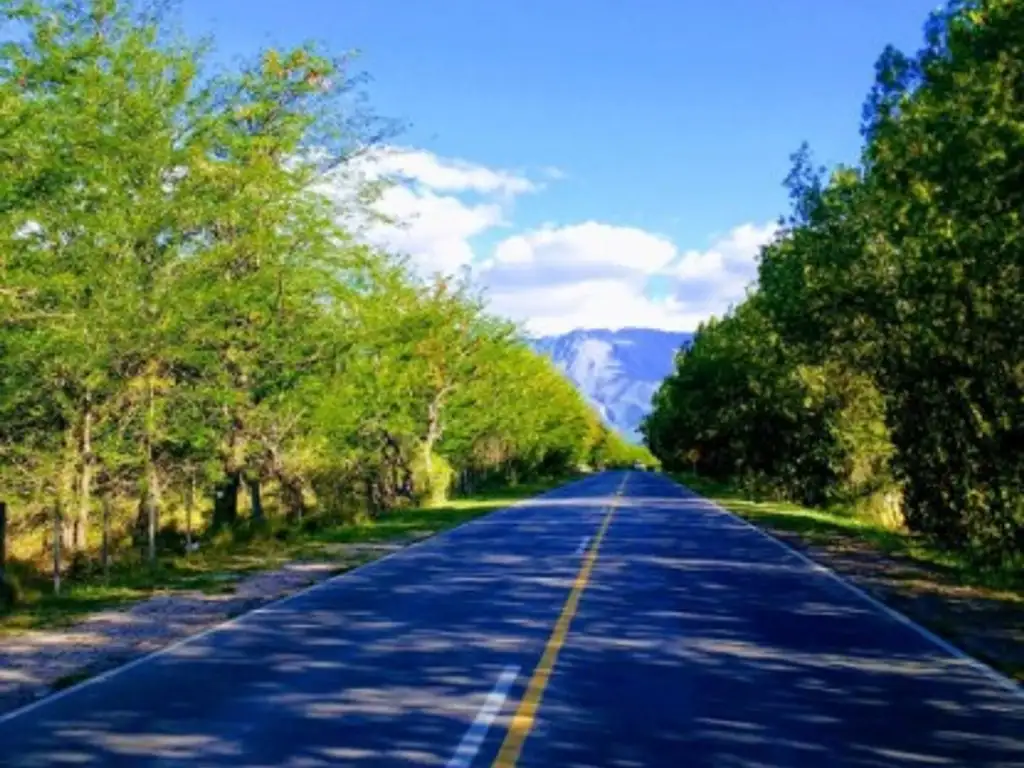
(619, 621)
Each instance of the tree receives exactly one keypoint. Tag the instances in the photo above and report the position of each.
(182, 310)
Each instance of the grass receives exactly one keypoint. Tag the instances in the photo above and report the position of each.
(829, 527)
(219, 564)
(980, 608)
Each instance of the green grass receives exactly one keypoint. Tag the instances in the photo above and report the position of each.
(218, 565)
(837, 524)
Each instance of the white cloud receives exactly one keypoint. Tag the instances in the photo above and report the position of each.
(734, 253)
(588, 250)
(443, 174)
(433, 230)
(431, 206)
(598, 276)
(553, 278)
(612, 304)
(584, 275)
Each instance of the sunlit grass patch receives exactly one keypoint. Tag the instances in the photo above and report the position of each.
(829, 527)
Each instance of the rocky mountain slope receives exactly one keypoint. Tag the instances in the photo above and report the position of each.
(617, 371)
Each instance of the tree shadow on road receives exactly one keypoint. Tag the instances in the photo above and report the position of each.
(696, 642)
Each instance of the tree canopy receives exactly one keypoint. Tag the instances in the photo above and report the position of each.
(884, 337)
(180, 307)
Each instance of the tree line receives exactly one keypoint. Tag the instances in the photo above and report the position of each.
(183, 318)
(878, 361)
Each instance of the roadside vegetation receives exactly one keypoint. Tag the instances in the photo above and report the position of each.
(878, 365)
(219, 565)
(866, 399)
(199, 363)
(838, 525)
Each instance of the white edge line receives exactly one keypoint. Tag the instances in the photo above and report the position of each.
(470, 744)
(583, 545)
(52, 698)
(978, 665)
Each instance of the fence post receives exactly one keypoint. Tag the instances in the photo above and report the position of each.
(56, 546)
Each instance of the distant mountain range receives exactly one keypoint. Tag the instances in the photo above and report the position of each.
(617, 371)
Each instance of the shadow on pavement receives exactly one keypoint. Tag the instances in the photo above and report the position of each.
(697, 642)
(701, 642)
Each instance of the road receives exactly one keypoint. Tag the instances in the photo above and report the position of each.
(619, 621)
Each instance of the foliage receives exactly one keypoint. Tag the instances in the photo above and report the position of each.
(740, 404)
(907, 272)
(189, 338)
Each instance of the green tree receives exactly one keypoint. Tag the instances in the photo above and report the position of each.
(909, 269)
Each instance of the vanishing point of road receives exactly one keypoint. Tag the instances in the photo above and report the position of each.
(618, 621)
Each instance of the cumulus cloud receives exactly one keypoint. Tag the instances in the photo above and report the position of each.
(425, 170)
(730, 260)
(433, 230)
(601, 276)
(555, 277)
(585, 275)
(430, 207)
(612, 304)
(554, 173)
(583, 251)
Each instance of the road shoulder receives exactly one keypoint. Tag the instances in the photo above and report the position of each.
(36, 664)
(973, 612)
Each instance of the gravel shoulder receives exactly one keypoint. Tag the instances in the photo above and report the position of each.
(36, 663)
(980, 612)
(46, 650)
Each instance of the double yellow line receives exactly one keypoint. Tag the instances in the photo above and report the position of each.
(522, 721)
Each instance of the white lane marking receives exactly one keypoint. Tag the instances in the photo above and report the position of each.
(583, 545)
(470, 744)
(360, 570)
(992, 674)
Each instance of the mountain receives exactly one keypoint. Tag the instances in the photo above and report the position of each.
(617, 371)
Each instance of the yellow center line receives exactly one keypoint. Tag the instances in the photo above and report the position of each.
(522, 721)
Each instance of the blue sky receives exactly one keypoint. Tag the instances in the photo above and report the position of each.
(668, 121)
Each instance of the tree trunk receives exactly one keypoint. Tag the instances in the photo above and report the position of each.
(106, 537)
(3, 544)
(152, 511)
(432, 436)
(58, 535)
(81, 523)
(66, 490)
(255, 498)
(225, 501)
(373, 494)
(190, 501)
(148, 522)
(292, 492)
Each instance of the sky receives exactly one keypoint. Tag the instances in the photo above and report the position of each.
(595, 163)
